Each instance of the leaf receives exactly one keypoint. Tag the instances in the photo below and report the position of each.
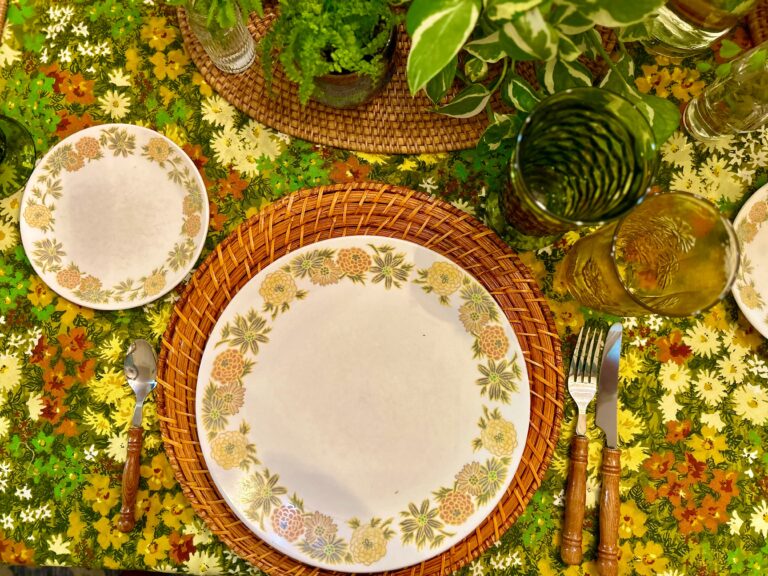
(438, 86)
(518, 93)
(504, 126)
(467, 103)
(567, 50)
(475, 69)
(488, 49)
(529, 37)
(634, 32)
(560, 75)
(438, 30)
(665, 119)
(508, 9)
(729, 49)
(567, 19)
(615, 13)
(723, 70)
(757, 60)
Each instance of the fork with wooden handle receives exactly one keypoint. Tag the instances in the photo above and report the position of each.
(582, 385)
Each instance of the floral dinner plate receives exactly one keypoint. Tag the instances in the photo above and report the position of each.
(114, 216)
(362, 404)
(751, 285)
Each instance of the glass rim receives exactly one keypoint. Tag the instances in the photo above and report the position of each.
(577, 223)
(733, 239)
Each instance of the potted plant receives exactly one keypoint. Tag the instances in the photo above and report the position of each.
(339, 53)
(491, 37)
(220, 26)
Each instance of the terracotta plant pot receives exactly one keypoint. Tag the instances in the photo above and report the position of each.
(349, 90)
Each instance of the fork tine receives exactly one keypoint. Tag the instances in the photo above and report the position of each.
(577, 353)
(595, 358)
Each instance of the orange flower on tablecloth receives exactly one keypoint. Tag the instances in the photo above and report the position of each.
(56, 381)
(12, 552)
(71, 123)
(674, 489)
(158, 473)
(67, 428)
(672, 348)
(690, 518)
(217, 220)
(77, 90)
(233, 185)
(74, 344)
(654, 79)
(714, 512)
(85, 370)
(708, 444)
(649, 558)
(157, 33)
(349, 170)
(658, 465)
(692, 470)
(195, 152)
(182, 547)
(677, 431)
(724, 483)
(54, 409)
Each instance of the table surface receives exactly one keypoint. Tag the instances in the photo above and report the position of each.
(694, 406)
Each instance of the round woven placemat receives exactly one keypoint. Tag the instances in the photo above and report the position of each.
(3, 10)
(317, 214)
(757, 20)
(393, 122)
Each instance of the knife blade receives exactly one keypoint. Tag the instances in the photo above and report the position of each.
(606, 418)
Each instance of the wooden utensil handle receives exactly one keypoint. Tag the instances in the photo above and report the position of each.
(127, 519)
(575, 499)
(610, 504)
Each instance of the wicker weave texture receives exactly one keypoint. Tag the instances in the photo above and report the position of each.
(343, 210)
(757, 20)
(393, 122)
(3, 10)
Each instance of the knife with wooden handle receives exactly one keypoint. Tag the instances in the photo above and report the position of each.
(606, 417)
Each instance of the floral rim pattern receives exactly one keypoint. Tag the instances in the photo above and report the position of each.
(424, 524)
(749, 294)
(39, 211)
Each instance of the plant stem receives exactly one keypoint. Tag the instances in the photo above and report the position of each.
(598, 44)
(500, 79)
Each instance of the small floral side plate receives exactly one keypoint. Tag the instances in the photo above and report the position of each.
(114, 216)
(362, 404)
(751, 285)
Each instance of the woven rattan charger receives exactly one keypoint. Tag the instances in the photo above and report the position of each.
(343, 210)
(393, 122)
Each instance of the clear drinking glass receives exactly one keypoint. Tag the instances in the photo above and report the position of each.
(17, 155)
(735, 103)
(674, 255)
(583, 157)
(684, 27)
(232, 50)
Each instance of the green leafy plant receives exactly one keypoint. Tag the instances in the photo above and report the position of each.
(318, 37)
(482, 42)
(222, 14)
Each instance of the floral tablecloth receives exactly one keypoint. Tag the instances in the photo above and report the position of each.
(694, 391)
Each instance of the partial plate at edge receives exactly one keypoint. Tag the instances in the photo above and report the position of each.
(114, 216)
(362, 404)
(751, 286)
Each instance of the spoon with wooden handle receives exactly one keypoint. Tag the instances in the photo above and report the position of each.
(140, 369)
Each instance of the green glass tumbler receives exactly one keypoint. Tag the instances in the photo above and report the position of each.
(17, 155)
(583, 157)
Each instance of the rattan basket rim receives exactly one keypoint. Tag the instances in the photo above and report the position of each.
(547, 362)
(757, 21)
